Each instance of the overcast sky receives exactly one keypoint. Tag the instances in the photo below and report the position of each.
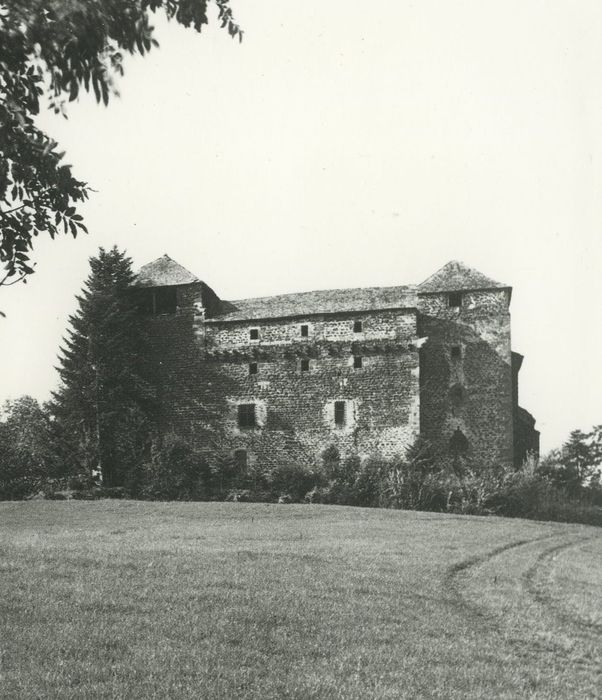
(353, 144)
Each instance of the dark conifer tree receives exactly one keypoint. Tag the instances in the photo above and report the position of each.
(104, 405)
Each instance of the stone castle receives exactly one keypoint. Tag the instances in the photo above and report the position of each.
(278, 379)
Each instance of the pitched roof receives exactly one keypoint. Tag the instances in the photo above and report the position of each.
(321, 302)
(456, 276)
(163, 272)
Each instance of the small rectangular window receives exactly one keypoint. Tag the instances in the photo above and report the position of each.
(252, 367)
(305, 365)
(254, 334)
(456, 352)
(246, 415)
(357, 362)
(357, 326)
(339, 412)
(165, 300)
(455, 300)
(304, 331)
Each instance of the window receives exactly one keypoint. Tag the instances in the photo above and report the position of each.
(357, 362)
(357, 326)
(456, 352)
(305, 365)
(252, 367)
(455, 300)
(246, 415)
(304, 331)
(254, 334)
(339, 412)
(161, 300)
(241, 460)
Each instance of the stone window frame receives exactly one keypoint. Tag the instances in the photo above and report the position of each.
(304, 330)
(358, 362)
(254, 333)
(253, 368)
(247, 416)
(358, 326)
(305, 365)
(343, 409)
(340, 413)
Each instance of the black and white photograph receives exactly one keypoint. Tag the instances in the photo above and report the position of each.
(300, 340)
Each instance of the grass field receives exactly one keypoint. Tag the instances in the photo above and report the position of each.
(123, 599)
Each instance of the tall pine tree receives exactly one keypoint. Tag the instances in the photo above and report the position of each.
(104, 405)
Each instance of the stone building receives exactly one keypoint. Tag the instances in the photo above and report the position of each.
(278, 379)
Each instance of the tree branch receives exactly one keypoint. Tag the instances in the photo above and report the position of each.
(4, 283)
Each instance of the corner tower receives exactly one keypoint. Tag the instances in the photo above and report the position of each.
(466, 387)
(176, 304)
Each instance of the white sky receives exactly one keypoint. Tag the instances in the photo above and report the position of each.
(353, 144)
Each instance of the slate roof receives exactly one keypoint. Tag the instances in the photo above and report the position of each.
(456, 276)
(321, 302)
(163, 272)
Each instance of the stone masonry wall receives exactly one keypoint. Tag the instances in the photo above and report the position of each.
(466, 376)
(382, 325)
(295, 407)
(203, 371)
(461, 379)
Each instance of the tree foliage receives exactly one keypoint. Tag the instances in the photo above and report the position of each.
(27, 454)
(577, 462)
(104, 406)
(56, 48)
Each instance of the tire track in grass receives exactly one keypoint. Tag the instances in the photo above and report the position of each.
(563, 644)
(451, 581)
(585, 637)
(537, 589)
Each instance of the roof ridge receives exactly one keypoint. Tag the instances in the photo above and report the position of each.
(321, 301)
(457, 276)
(325, 291)
(163, 272)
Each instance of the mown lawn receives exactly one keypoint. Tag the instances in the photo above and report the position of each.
(123, 599)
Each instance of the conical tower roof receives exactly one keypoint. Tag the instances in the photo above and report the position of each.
(163, 272)
(456, 277)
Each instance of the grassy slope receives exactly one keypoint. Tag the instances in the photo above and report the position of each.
(153, 600)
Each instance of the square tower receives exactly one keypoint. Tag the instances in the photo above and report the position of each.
(466, 389)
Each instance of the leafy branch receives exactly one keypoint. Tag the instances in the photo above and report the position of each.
(58, 48)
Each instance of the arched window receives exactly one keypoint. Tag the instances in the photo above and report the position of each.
(458, 444)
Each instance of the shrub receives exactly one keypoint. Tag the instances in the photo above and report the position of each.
(351, 482)
(176, 471)
(290, 480)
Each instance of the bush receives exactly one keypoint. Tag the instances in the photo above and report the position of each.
(352, 482)
(291, 481)
(176, 472)
(418, 481)
(528, 494)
